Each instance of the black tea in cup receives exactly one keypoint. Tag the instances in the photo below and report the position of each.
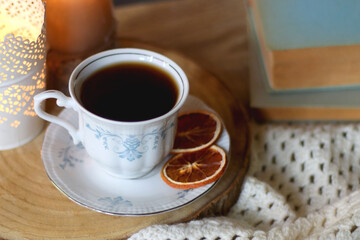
(129, 92)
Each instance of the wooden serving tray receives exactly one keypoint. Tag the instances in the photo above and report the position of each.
(32, 208)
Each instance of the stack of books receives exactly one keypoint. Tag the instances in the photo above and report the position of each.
(305, 59)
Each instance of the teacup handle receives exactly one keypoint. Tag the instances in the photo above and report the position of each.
(61, 101)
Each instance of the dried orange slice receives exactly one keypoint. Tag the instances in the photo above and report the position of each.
(194, 169)
(196, 130)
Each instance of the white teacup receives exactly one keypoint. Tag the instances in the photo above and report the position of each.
(121, 148)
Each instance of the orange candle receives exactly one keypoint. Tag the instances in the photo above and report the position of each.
(79, 26)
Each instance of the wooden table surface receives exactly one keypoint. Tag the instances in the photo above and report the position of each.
(208, 39)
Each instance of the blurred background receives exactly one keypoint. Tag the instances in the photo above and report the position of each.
(124, 2)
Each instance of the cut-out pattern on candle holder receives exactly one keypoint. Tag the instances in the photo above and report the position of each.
(22, 69)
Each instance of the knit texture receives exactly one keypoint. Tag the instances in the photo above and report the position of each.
(303, 183)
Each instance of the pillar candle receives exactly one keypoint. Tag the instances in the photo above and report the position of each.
(78, 26)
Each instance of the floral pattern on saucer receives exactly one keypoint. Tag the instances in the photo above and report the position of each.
(76, 175)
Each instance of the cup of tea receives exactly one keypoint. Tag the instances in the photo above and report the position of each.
(127, 102)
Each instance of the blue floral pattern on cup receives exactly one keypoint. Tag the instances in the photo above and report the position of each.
(130, 147)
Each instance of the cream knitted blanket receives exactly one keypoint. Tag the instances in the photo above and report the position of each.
(303, 183)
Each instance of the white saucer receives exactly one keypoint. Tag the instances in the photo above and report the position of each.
(76, 175)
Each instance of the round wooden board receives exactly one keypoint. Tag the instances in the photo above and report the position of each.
(32, 208)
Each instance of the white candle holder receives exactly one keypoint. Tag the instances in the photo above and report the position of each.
(22, 70)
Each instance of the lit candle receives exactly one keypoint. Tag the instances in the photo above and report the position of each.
(22, 70)
(79, 26)
(21, 22)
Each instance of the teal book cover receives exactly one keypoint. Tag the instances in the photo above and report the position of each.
(290, 24)
(260, 97)
(254, 39)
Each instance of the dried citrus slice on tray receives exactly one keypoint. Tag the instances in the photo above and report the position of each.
(196, 130)
(194, 169)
